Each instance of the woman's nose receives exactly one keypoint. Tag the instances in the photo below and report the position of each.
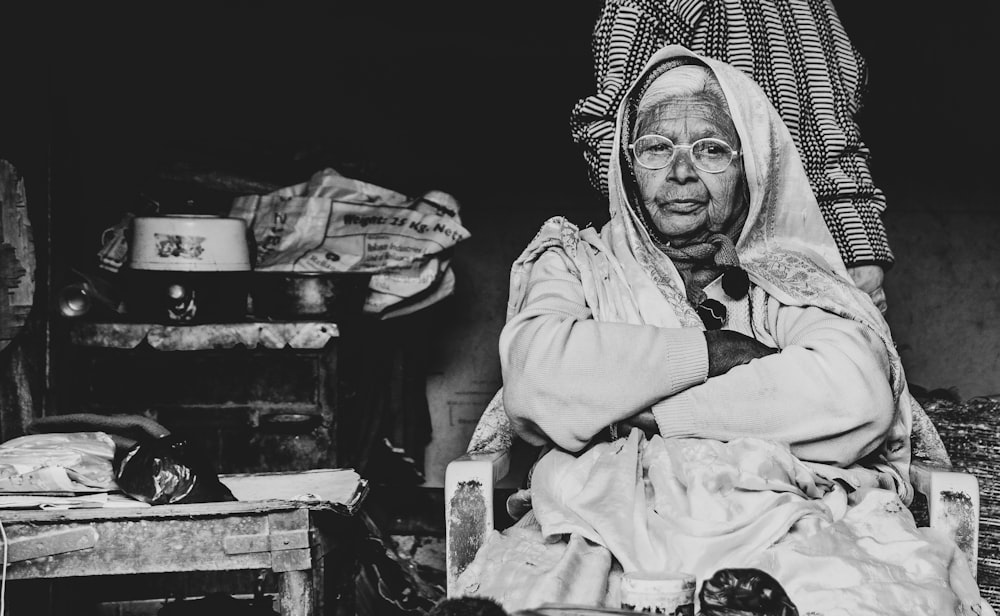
(681, 168)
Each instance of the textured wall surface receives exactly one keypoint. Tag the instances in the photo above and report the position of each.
(944, 299)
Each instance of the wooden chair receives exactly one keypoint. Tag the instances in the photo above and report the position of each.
(952, 497)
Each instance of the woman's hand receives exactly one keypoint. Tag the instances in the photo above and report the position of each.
(643, 420)
(728, 349)
(869, 279)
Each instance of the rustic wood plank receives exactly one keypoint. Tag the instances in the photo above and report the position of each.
(296, 595)
(109, 335)
(288, 552)
(17, 399)
(339, 490)
(159, 512)
(48, 543)
(129, 546)
(267, 335)
(17, 255)
(297, 540)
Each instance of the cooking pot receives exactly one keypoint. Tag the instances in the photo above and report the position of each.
(189, 243)
(187, 269)
(308, 295)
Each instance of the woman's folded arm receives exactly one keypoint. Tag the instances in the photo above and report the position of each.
(567, 376)
(826, 394)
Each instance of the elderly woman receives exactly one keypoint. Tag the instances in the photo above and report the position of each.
(711, 390)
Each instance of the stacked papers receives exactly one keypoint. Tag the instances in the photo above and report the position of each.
(67, 501)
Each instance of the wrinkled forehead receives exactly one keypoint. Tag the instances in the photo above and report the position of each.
(684, 88)
(698, 115)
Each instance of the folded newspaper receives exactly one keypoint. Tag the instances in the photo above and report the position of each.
(334, 223)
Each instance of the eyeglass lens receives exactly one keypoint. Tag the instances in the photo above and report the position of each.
(708, 154)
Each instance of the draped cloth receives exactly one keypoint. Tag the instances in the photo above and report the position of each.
(837, 541)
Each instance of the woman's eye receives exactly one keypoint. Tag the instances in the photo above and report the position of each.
(713, 149)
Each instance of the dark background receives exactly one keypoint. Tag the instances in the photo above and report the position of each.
(98, 103)
(448, 94)
(453, 95)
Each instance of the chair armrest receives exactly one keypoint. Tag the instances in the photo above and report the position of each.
(952, 505)
(468, 507)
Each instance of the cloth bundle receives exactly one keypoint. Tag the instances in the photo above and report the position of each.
(72, 462)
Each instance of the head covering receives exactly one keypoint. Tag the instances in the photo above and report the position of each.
(784, 246)
(701, 262)
(782, 212)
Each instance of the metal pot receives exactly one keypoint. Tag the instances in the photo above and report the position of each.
(308, 295)
(190, 243)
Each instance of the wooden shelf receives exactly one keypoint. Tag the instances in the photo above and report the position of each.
(254, 395)
(251, 335)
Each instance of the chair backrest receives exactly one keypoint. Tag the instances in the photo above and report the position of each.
(493, 431)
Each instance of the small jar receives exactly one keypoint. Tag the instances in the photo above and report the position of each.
(658, 593)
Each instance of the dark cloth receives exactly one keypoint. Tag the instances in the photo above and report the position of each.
(744, 592)
(700, 264)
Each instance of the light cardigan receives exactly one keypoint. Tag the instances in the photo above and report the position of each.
(567, 377)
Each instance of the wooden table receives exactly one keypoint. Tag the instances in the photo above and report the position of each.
(306, 517)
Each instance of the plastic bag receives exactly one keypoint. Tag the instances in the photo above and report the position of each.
(69, 462)
(170, 470)
(467, 606)
(337, 224)
(385, 584)
(744, 592)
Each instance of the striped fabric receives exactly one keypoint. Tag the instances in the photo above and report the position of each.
(799, 53)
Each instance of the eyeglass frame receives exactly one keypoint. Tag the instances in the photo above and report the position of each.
(689, 146)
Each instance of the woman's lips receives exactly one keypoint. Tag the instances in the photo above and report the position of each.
(683, 206)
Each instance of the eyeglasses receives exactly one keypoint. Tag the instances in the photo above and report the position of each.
(709, 154)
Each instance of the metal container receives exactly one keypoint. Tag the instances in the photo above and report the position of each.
(185, 297)
(658, 593)
(308, 295)
(190, 243)
(74, 300)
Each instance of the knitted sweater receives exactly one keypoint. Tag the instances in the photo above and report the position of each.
(567, 376)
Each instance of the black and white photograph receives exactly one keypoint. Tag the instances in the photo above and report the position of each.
(558, 308)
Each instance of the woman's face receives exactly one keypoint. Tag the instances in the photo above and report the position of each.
(687, 204)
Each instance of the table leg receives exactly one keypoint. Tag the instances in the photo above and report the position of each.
(329, 403)
(295, 593)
